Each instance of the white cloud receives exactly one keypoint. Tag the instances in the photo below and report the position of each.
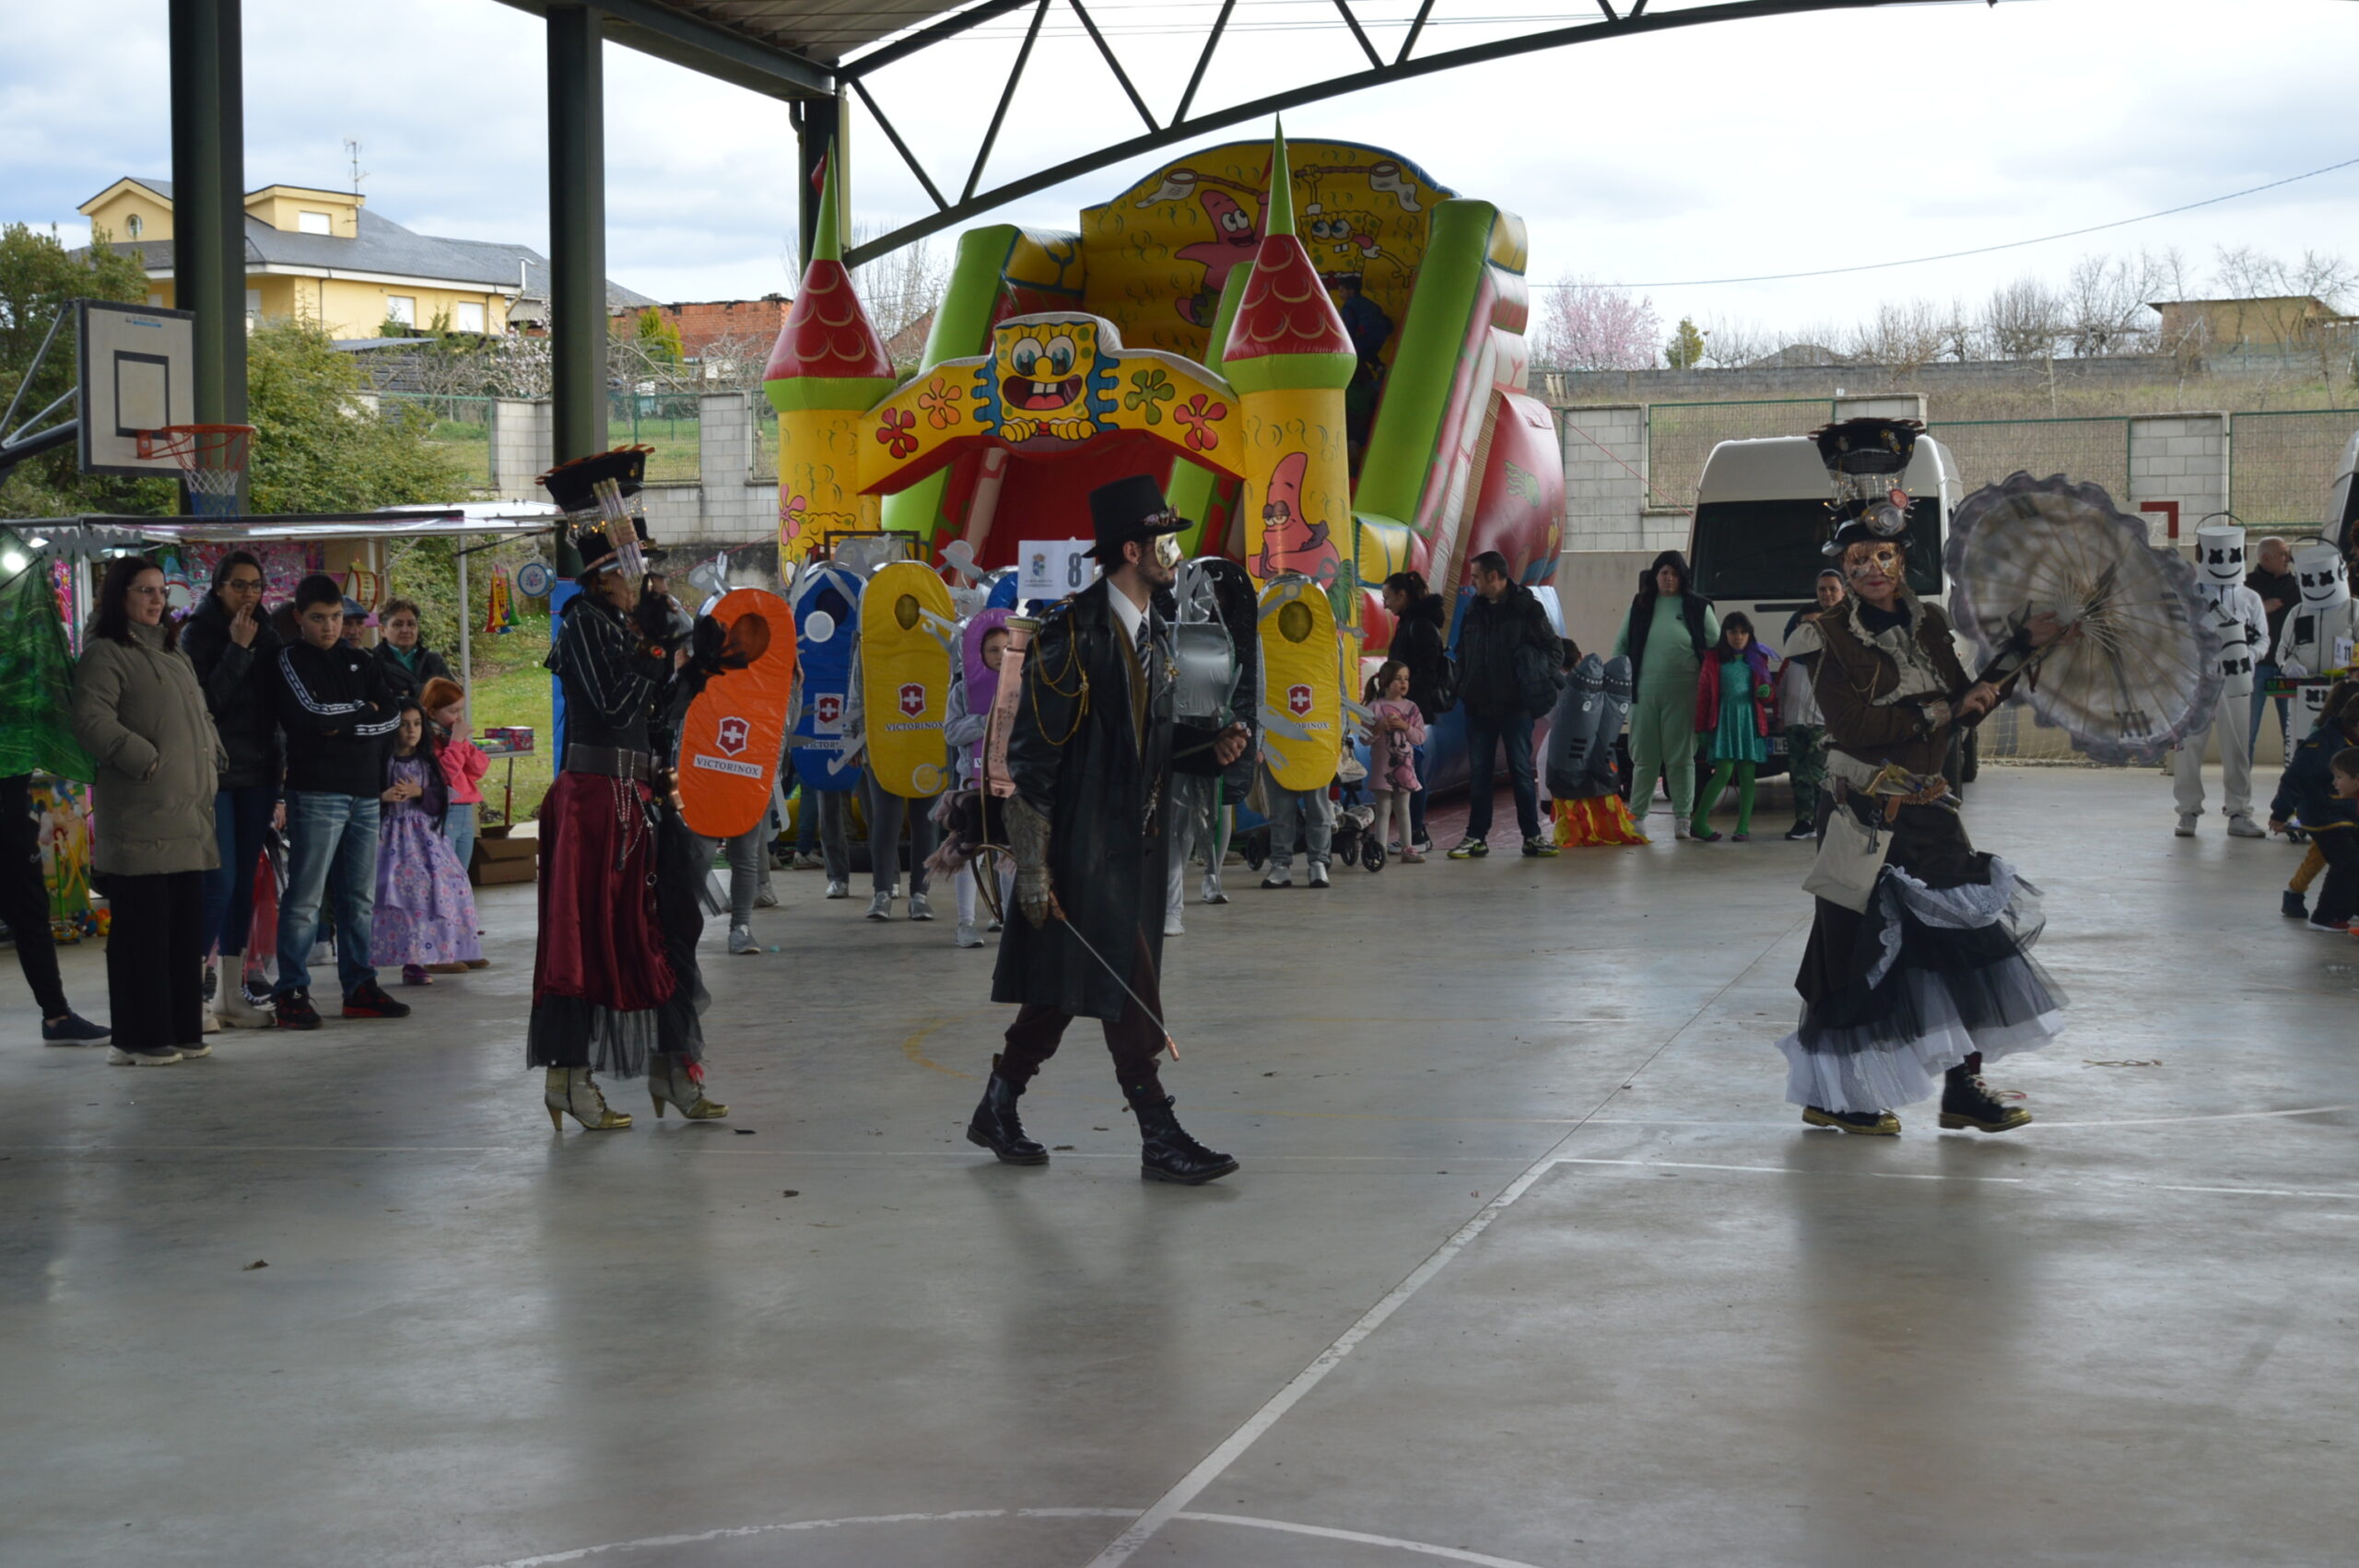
(1772, 145)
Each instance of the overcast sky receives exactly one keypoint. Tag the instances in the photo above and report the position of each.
(1777, 145)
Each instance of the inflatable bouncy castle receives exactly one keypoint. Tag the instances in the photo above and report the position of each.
(1316, 349)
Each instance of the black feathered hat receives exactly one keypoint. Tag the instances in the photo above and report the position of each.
(602, 521)
(1867, 458)
(1127, 509)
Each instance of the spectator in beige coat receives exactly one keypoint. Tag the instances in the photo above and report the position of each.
(140, 713)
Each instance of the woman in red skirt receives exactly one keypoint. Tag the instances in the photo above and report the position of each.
(615, 986)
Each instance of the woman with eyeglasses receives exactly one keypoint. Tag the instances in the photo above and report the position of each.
(141, 715)
(230, 641)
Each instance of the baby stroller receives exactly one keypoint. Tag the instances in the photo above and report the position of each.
(1356, 843)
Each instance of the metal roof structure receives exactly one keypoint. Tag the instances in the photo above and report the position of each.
(819, 53)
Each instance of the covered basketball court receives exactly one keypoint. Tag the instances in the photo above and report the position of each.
(1528, 1266)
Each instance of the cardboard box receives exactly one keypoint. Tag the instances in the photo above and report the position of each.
(503, 856)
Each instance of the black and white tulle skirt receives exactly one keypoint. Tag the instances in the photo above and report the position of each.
(1936, 970)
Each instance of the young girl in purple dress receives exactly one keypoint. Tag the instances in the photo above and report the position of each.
(425, 912)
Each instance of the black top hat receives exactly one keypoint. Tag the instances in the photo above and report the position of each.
(1127, 509)
(1868, 445)
(596, 538)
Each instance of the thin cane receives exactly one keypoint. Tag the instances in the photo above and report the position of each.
(1168, 1043)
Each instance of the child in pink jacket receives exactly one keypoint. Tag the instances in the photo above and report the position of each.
(463, 763)
(1396, 729)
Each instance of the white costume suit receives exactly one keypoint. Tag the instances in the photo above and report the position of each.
(2241, 623)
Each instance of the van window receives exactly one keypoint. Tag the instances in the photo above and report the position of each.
(1753, 550)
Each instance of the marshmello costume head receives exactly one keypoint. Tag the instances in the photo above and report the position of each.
(2220, 554)
(2318, 634)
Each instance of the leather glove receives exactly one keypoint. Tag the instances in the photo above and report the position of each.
(1028, 834)
(652, 616)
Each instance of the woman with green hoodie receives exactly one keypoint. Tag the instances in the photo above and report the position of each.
(1665, 636)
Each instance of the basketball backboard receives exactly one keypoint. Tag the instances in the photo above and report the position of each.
(136, 372)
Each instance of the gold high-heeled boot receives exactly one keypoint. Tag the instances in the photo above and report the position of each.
(668, 1080)
(571, 1091)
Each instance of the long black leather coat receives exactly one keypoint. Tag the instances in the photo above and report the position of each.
(1094, 747)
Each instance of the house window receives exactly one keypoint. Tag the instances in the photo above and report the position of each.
(470, 317)
(134, 225)
(253, 304)
(402, 307)
(313, 223)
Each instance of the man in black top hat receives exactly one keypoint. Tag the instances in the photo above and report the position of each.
(1092, 751)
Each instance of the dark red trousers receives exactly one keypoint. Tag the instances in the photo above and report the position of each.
(1133, 1039)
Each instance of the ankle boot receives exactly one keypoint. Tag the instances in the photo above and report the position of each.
(676, 1081)
(996, 1127)
(1166, 1151)
(1967, 1102)
(570, 1090)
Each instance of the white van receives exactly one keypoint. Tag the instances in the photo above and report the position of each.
(1756, 544)
(1761, 522)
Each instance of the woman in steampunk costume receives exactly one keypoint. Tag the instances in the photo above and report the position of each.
(615, 982)
(1916, 972)
(1091, 752)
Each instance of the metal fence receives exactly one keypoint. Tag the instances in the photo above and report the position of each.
(457, 428)
(666, 421)
(2088, 450)
(1680, 436)
(2281, 465)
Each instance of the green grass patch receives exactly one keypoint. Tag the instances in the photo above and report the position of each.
(510, 687)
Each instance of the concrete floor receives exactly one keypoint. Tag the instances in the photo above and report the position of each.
(1527, 1265)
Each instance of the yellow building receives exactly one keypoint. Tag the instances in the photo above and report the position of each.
(323, 256)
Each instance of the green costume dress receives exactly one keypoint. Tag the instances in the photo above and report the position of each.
(1662, 713)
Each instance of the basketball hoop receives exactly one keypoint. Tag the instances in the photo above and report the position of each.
(212, 460)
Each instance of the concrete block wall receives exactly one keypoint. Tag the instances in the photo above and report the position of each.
(2182, 457)
(1605, 476)
(523, 446)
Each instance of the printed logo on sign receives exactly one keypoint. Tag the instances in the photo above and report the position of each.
(913, 699)
(1298, 700)
(732, 736)
(828, 712)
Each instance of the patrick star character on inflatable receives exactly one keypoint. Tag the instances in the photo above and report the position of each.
(1239, 233)
(1289, 543)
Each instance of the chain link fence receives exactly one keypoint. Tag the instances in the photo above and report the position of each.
(1680, 436)
(2088, 450)
(666, 421)
(2281, 465)
(458, 427)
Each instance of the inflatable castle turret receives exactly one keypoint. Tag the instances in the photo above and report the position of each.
(1290, 359)
(828, 369)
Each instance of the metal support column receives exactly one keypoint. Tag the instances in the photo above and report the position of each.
(208, 200)
(817, 122)
(576, 231)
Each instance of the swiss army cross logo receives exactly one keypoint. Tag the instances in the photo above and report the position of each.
(732, 736)
(829, 708)
(913, 699)
(1298, 700)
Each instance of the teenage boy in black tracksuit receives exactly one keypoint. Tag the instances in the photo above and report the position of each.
(336, 706)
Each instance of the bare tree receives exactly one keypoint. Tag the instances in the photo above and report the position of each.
(2022, 320)
(898, 289)
(1902, 336)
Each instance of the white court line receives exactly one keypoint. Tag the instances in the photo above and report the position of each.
(1209, 1469)
(2034, 1182)
(1322, 1532)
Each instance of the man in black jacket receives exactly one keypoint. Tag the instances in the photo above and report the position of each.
(336, 706)
(230, 641)
(1507, 652)
(1417, 617)
(1092, 754)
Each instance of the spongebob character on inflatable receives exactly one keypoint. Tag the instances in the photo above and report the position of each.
(1045, 381)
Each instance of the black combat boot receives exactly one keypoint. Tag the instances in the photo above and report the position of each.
(996, 1125)
(1967, 1103)
(1166, 1151)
